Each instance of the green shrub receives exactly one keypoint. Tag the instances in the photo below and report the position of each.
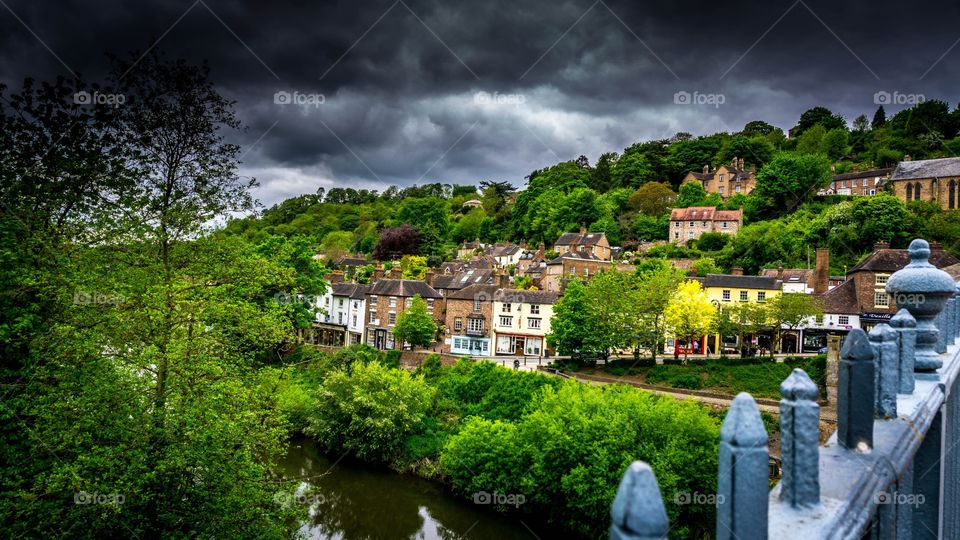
(391, 358)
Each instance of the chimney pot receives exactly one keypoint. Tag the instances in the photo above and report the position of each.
(429, 277)
(395, 272)
(706, 169)
(377, 273)
(733, 163)
(907, 157)
(583, 229)
(736, 271)
(882, 244)
(780, 272)
(740, 163)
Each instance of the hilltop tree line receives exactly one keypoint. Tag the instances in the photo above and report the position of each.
(629, 195)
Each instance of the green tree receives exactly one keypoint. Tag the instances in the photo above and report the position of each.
(369, 412)
(653, 199)
(821, 116)
(879, 118)
(788, 311)
(415, 325)
(834, 143)
(790, 179)
(656, 283)
(570, 332)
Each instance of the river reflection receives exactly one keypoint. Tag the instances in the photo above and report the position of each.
(351, 502)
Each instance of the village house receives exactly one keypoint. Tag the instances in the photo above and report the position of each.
(862, 183)
(935, 180)
(468, 325)
(862, 301)
(387, 298)
(726, 180)
(522, 320)
(594, 244)
(726, 291)
(505, 254)
(689, 223)
(570, 265)
(468, 249)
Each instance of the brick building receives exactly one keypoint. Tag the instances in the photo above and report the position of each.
(594, 244)
(726, 180)
(468, 327)
(387, 298)
(689, 223)
(935, 180)
(858, 183)
(574, 264)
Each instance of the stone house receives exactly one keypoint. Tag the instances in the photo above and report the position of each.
(574, 264)
(468, 327)
(726, 180)
(689, 223)
(388, 297)
(590, 243)
(935, 180)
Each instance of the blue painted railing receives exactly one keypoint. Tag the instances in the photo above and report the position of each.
(892, 468)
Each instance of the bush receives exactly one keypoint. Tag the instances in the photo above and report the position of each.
(391, 358)
(368, 413)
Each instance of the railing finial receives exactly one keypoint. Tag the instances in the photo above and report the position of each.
(886, 352)
(638, 512)
(742, 483)
(906, 326)
(800, 440)
(856, 394)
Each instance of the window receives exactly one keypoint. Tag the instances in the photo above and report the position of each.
(507, 307)
(475, 325)
(354, 320)
(533, 323)
(843, 319)
(392, 319)
(429, 303)
(676, 236)
(340, 302)
(676, 224)
(340, 318)
(373, 301)
(458, 324)
(477, 303)
(761, 296)
(738, 188)
(373, 317)
(721, 190)
(880, 280)
(326, 300)
(880, 299)
(534, 309)
(393, 301)
(819, 320)
(744, 296)
(506, 320)
(407, 302)
(703, 223)
(726, 295)
(721, 178)
(690, 234)
(690, 224)
(723, 224)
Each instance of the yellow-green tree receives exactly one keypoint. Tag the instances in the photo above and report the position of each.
(689, 313)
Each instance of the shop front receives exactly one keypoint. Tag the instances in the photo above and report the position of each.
(519, 345)
(871, 319)
(474, 346)
(328, 335)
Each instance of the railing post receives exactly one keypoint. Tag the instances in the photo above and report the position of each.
(942, 328)
(855, 400)
(800, 441)
(906, 327)
(742, 483)
(923, 290)
(883, 339)
(638, 512)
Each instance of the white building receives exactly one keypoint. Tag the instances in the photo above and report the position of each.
(341, 322)
(521, 321)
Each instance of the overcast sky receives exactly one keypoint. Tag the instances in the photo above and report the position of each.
(414, 91)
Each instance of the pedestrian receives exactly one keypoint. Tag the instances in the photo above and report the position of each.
(516, 363)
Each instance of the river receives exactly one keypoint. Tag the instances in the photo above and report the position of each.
(351, 501)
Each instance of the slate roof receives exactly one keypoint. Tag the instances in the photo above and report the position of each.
(353, 290)
(528, 297)
(580, 239)
(475, 291)
(927, 168)
(741, 282)
(352, 261)
(701, 176)
(463, 278)
(872, 173)
(791, 275)
(504, 251)
(705, 213)
(886, 260)
(842, 299)
(403, 287)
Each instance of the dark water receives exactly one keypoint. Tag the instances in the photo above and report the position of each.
(350, 501)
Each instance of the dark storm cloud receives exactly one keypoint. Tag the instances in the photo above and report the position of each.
(418, 91)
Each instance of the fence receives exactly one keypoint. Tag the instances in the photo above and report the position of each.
(891, 470)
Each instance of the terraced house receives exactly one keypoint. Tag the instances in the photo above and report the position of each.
(689, 223)
(522, 321)
(387, 298)
(726, 291)
(726, 180)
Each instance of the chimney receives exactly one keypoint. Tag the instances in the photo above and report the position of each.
(583, 229)
(395, 272)
(907, 157)
(733, 163)
(736, 271)
(780, 272)
(706, 169)
(740, 163)
(881, 245)
(429, 277)
(504, 281)
(821, 274)
(377, 274)
(335, 277)
(936, 246)
(523, 244)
